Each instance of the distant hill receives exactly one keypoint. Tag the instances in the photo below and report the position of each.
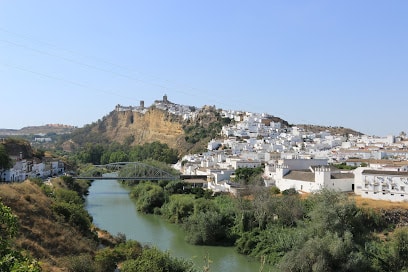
(38, 130)
(333, 130)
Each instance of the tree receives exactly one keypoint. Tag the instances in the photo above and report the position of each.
(148, 197)
(208, 228)
(333, 236)
(5, 161)
(247, 175)
(329, 252)
(178, 208)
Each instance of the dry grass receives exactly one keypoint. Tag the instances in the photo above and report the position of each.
(41, 233)
(378, 204)
(371, 203)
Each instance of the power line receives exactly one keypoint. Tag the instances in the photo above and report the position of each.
(201, 93)
(71, 82)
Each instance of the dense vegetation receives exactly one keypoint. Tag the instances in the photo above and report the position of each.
(50, 221)
(246, 175)
(104, 154)
(205, 127)
(326, 231)
(11, 259)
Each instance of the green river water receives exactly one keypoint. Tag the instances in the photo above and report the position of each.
(112, 209)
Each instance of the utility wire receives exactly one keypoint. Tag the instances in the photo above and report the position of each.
(198, 92)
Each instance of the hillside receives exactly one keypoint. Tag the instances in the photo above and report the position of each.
(184, 128)
(37, 130)
(333, 130)
(47, 237)
(136, 128)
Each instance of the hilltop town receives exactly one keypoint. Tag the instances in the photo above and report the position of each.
(291, 157)
(296, 157)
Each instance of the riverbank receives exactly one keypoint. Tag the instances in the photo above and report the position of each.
(112, 209)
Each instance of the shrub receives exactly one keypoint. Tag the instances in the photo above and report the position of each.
(74, 214)
(81, 263)
(153, 259)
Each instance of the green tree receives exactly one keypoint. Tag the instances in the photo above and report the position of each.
(68, 196)
(334, 236)
(118, 156)
(329, 252)
(148, 197)
(247, 175)
(5, 161)
(208, 228)
(178, 208)
(391, 255)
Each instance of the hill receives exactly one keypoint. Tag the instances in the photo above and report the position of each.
(38, 130)
(185, 128)
(333, 130)
(41, 232)
(153, 124)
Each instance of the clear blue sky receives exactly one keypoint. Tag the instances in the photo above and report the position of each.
(338, 63)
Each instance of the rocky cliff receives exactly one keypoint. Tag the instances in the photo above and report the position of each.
(138, 128)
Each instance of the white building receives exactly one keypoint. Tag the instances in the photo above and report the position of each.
(381, 185)
(307, 175)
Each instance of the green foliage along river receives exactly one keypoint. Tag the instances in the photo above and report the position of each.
(112, 209)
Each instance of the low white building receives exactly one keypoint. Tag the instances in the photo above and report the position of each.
(381, 185)
(242, 163)
(306, 175)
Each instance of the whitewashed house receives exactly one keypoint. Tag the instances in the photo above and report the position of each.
(380, 184)
(309, 175)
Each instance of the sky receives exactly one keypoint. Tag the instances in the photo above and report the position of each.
(332, 63)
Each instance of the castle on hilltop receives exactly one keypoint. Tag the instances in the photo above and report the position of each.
(187, 112)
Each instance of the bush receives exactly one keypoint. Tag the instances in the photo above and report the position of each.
(291, 191)
(275, 190)
(68, 196)
(209, 228)
(153, 259)
(178, 208)
(74, 214)
(148, 197)
(81, 263)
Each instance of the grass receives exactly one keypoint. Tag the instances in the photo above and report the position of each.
(41, 233)
(378, 204)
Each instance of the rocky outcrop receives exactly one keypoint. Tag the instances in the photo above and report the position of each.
(154, 125)
(17, 149)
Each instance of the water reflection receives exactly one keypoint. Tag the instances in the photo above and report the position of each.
(112, 209)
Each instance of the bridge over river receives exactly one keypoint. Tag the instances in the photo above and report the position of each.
(137, 171)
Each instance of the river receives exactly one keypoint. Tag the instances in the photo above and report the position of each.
(113, 210)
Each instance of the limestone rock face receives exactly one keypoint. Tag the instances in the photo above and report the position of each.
(154, 125)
